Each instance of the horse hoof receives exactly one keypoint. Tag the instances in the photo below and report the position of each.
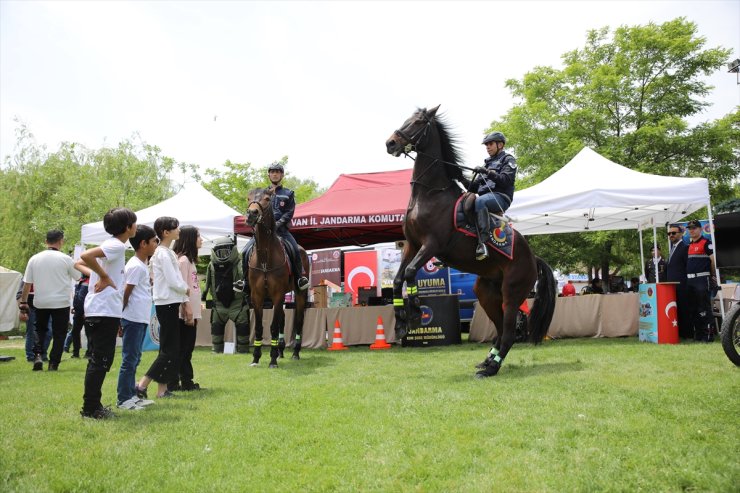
(253, 364)
(296, 356)
(488, 370)
(273, 365)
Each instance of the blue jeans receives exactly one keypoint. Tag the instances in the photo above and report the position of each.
(133, 338)
(493, 201)
(31, 336)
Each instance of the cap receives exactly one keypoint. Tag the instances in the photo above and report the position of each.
(693, 224)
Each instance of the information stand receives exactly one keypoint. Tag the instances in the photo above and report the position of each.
(440, 322)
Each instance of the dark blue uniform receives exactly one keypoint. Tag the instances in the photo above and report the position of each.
(283, 208)
(496, 191)
(698, 274)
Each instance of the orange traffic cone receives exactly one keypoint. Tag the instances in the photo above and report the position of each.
(380, 342)
(336, 342)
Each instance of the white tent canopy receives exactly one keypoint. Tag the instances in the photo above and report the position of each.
(193, 205)
(9, 282)
(592, 193)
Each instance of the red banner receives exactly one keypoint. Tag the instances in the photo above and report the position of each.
(360, 271)
(326, 265)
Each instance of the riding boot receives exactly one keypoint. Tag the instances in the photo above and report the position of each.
(484, 231)
(301, 280)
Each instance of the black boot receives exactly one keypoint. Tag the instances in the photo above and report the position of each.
(300, 280)
(484, 231)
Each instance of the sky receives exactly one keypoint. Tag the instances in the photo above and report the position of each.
(324, 83)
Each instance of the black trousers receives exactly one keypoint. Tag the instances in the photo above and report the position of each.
(59, 321)
(701, 307)
(187, 344)
(166, 367)
(102, 331)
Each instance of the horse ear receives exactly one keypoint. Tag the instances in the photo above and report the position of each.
(433, 111)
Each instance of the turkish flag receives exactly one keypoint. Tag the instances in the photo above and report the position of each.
(667, 314)
(360, 271)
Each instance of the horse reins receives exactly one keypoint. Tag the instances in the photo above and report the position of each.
(264, 269)
(414, 141)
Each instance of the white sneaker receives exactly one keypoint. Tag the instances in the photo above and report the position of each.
(130, 405)
(143, 402)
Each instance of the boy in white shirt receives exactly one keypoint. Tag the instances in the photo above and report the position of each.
(104, 305)
(137, 310)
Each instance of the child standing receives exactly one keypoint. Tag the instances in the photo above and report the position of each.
(186, 249)
(169, 292)
(104, 305)
(137, 309)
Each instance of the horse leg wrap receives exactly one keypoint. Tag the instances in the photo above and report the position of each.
(489, 357)
(491, 368)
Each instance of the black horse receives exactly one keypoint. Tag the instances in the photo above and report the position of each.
(270, 277)
(503, 283)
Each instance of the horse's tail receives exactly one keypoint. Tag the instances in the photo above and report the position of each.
(544, 303)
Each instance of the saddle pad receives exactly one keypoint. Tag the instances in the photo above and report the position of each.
(501, 239)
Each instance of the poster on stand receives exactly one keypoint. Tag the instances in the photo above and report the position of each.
(432, 279)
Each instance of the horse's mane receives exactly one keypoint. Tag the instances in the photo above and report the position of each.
(450, 150)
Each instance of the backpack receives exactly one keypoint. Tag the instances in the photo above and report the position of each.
(223, 274)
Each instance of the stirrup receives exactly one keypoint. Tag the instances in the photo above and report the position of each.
(302, 283)
(481, 252)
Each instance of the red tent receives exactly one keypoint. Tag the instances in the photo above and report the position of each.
(358, 209)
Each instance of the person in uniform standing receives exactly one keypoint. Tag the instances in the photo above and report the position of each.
(699, 281)
(494, 184)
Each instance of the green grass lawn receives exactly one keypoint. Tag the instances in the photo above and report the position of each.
(569, 415)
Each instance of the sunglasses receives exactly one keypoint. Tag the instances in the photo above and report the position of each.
(672, 233)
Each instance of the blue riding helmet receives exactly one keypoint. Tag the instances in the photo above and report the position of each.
(494, 137)
(276, 167)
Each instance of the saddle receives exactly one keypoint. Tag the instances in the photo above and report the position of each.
(463, 218)
(290, 255)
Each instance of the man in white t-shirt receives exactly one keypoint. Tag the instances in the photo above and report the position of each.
(52, 273)
(137, 312)
(104, 305)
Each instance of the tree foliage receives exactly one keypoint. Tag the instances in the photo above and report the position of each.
(72, 186)
(628, 96)
(232, 182)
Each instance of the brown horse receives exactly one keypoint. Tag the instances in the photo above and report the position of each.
(502, 285)
(270, 277)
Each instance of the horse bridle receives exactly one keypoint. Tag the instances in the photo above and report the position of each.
(418, 138)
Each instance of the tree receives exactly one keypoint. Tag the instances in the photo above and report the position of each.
(628, 97)
(232, 184)
(73, 186)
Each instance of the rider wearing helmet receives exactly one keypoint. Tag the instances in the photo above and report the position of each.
(283, 207)
(494, 184)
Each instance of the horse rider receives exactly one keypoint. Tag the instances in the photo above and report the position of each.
(283, 208)
(494, 184)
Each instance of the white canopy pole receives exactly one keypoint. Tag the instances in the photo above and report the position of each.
(655, 251)
(642, 253)
(716, 269)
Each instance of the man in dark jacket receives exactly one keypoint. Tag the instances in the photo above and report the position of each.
(676, 272)
(494, 184)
